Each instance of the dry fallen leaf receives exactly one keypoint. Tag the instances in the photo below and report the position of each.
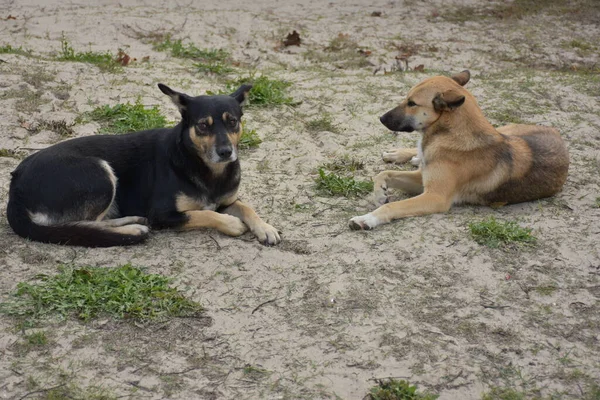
(365, 53)
(123, 58)
(25, 124)
(10, 17)
(292, 39)
(498, 204)
(376, 14)
(146, 59)
(420, 68)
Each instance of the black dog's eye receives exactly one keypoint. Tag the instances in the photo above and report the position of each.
(411, 103)
(233, 122)
(202, 126)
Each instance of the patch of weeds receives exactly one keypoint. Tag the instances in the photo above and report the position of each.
(323, 123)
(519, 9)
(504, 117)
(345, 164)
(73, 391)
(265, 91)
(29, 101)
(493, 233)
(343, 52)
(87, 292)
(332, 184)
(37, 77)
(597, 203)
(58, 126)
(546, 290)
(104, 61)
(213, 61)
(498, 393)
(397, 390)
(38, 338)
(19, 155)
(255, 373)
(8, 49)
(249, 139)
(123, 118)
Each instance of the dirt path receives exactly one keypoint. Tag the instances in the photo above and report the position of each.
(417, 299)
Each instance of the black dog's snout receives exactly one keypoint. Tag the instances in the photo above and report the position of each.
(384, 118)
(224, 152)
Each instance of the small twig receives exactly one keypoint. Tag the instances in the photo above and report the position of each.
(487, 303)
(388, 377)
(265, 303)
(180, 372)
(136, 385)
(42, 391)
(215, 240)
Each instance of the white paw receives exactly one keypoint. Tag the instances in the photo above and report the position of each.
(364, 222)
(416, 161)
(380, 196)
(267, 234)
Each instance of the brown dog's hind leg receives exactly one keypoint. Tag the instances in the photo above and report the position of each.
(399, 156)
(410, 182)
(227, 224)
(265, 233)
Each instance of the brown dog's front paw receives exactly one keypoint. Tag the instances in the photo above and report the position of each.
(267, 235)
(397, 156)
(364, 222)
(233, 226)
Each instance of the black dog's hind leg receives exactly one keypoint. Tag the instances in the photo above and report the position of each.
(69, 203)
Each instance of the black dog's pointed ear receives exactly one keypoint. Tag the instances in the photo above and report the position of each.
(179, 99)
(462, 78)
(241, 95)
(448, 101)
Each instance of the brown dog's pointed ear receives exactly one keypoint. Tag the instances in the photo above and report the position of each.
(179, 99)
(463, 78)
(241, 95)
(448, 101)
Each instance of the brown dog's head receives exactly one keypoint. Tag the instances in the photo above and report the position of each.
(426, 102)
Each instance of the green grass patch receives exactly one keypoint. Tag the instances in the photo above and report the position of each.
(345, 164)
(19, 155)
(323, 123)
(397, 390)
(123, 292)
(104, 61)
(265, 91)
(123, 118)
(8, 49)
(249, 139)
(597, 202)
(546, 290)
(36, 339)
(497, 393)
(332, 184)
(493, 233)
(210, 61)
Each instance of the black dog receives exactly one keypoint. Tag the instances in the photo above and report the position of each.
(106, 190)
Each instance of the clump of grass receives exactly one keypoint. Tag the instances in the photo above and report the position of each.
(123, 118)
(19, 155)
(38, 338)
(37, 77)
(265, 91)
(104, 61)
(8, 49)
(323, 123)
(58, 126)
(498, 393)
(332, 184)
(397, 390)
(255, 373)
(213, 61)
(249, 139)
(597, 202)
(345, 164)
(493, 233)
(88, 292)
(28, 101)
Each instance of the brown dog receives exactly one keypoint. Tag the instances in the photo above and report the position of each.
(463, 158)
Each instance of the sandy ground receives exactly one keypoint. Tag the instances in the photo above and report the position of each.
(417, 299)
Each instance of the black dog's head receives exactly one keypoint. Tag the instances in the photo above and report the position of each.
(213, 123)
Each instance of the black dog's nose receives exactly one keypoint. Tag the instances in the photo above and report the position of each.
(224, 152)
(384, 118)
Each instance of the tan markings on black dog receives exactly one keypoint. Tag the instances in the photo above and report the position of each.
(185, 203)
(263, 231)
(113, 180)
(227, 224)
(231, 121)
(464, 158)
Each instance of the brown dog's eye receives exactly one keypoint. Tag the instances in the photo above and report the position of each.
(202, 126)
(411, 103)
